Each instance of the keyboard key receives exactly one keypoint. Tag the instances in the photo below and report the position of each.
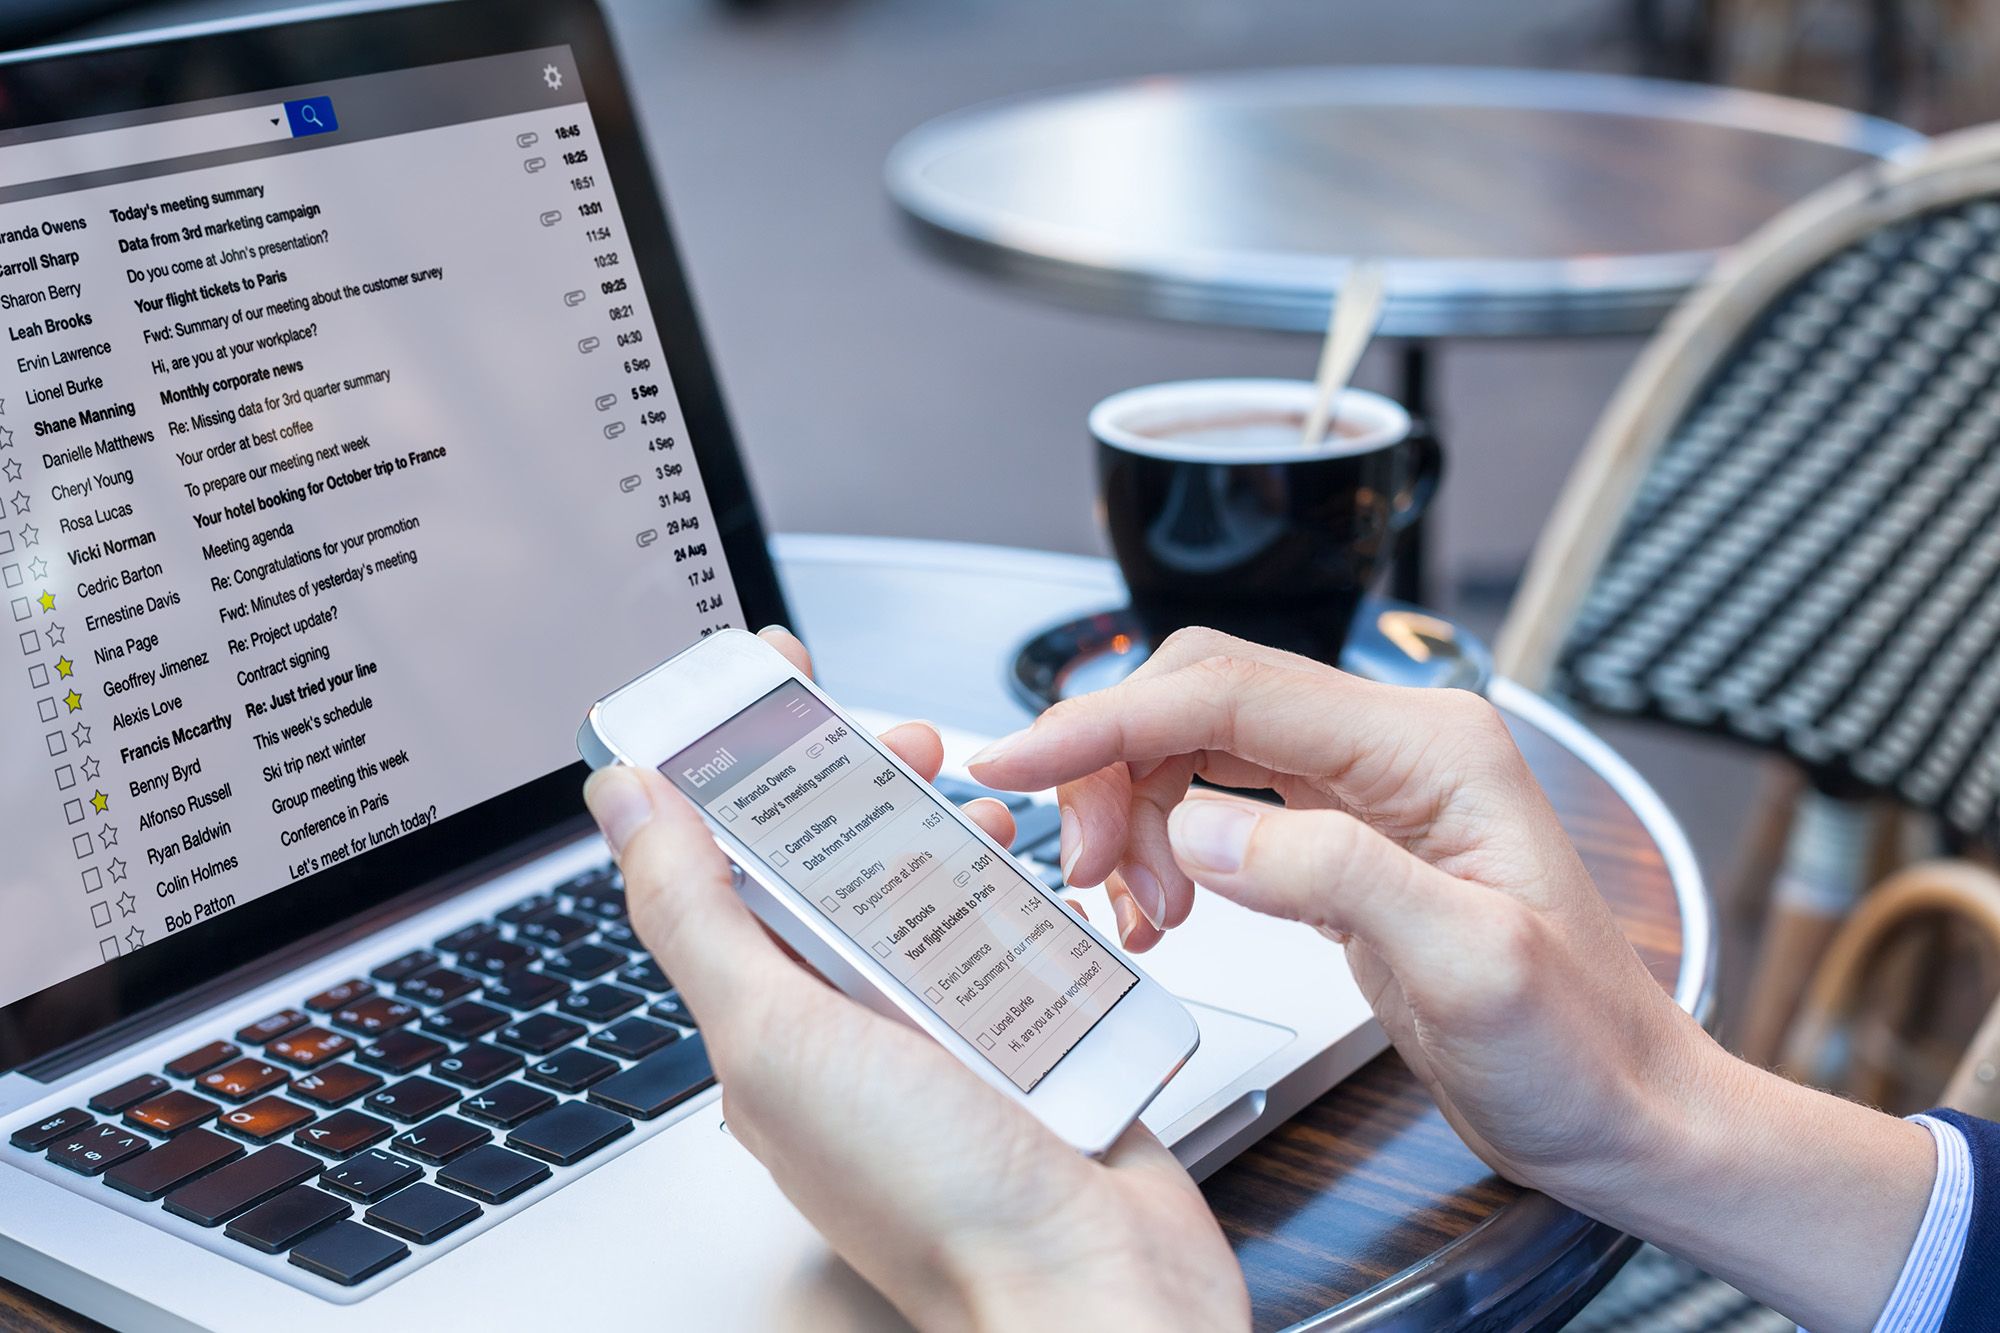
(35, 1137)
(348, 1253)
(465, 1020)
(203, 1058)
(263, 1120)
(309, 1047)
(171, 1112)
(554, 931)
(605, 902)
(440, 985)
(391, 973)
(572, 1070)
(491, 1174)
(538, 1034)
(129, 1093)
(334, 1085)
(343, 1134)
(646, 975)
(242, 1185)
(172, 1164)
(630, 1038)
(528, 907)
(586, 962)
(497, 959)
(240, 1080)
(467, 937)
(97, 1149)
(438, 1141)
(401, 1052)
(411, 1100)
(525, 990)
(283, 1222)
(423, 1213)
(371, 1175)
(674, 1009)
(658, 1083)
(569, 1133)
(600, 1003)
(375, 1015)
(507, 1104)
(477, 1065)
(619, 934)
(270, 1029)
(336, 997)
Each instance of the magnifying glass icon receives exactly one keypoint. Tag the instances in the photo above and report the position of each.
(310, 115)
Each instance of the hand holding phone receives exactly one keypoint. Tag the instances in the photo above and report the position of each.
(892, 893)
(944, 1194)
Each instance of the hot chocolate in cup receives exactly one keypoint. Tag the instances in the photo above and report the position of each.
(1220, 514)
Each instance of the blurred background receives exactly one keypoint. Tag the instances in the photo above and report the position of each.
(878, 391)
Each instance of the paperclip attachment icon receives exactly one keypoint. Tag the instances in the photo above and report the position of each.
(572, 298)
(629, 484)
(606, 401)
(527, 139)
(648, 537)
(614, 430)
(553, 216)
(534, 164)
(587, 345)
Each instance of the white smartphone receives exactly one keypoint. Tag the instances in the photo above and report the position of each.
(897, 898)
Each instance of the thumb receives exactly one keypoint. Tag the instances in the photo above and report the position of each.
(680, 891)
(1323, 867)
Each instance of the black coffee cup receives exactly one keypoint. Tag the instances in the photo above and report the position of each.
(1221, 516)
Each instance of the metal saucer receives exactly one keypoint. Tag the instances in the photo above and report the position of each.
(1392, 642)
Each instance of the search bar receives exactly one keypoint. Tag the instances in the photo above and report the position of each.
(135, 145)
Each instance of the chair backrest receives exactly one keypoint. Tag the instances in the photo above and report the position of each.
(1786, 526)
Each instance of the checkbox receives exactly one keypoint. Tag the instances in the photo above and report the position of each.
(107, 948)
(47, 708)
(985, 1042)
(80, 844)
(829, 906)
(12, 575)
(931, 994)
(729, 814)
(23, 608)
(31, 641)
(93, 879)
(56, 742)
(100, 914)
(780, 859)
(38, 675)
(73, 811)
(881, 950)
(65, 778)
(6, 542)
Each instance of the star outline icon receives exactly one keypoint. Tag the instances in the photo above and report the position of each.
(108, 835)
(125, 902)
(38, 568)
(30, 535)
(56, 633)
(117, 872)
(22, 503)
(90, 768)
(81, 731)
(136, 937)
(11, 469)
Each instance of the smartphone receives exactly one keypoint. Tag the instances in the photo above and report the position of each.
(896, 897)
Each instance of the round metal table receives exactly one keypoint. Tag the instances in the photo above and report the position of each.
(1501, 202)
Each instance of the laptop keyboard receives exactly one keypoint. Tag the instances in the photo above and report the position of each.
(395, 1108)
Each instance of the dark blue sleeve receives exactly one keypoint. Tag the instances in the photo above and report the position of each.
(1975, 1298)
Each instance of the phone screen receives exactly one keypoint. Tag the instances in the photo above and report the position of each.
(894, 868)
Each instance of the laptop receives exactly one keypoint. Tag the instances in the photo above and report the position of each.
(356, 432)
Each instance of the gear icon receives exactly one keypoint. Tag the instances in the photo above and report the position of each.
(552, 76)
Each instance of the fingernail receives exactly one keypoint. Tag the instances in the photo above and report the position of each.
(618, 801)
(998, 748)
(1212, 834)
(1072, 839)
(1147, 894)
(1127, 914)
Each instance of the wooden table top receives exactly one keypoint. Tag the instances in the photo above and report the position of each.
(1501, 201)
(1364, 1211)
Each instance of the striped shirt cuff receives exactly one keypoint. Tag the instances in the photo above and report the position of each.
(1917, 1305)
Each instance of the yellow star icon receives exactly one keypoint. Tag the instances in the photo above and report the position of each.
(48, 601)
(64, 666)
(74, 700)
(101, 802)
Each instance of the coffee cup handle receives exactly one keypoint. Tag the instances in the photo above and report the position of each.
(1423, 487)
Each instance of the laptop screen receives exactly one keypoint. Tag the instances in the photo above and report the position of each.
(344, 465)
